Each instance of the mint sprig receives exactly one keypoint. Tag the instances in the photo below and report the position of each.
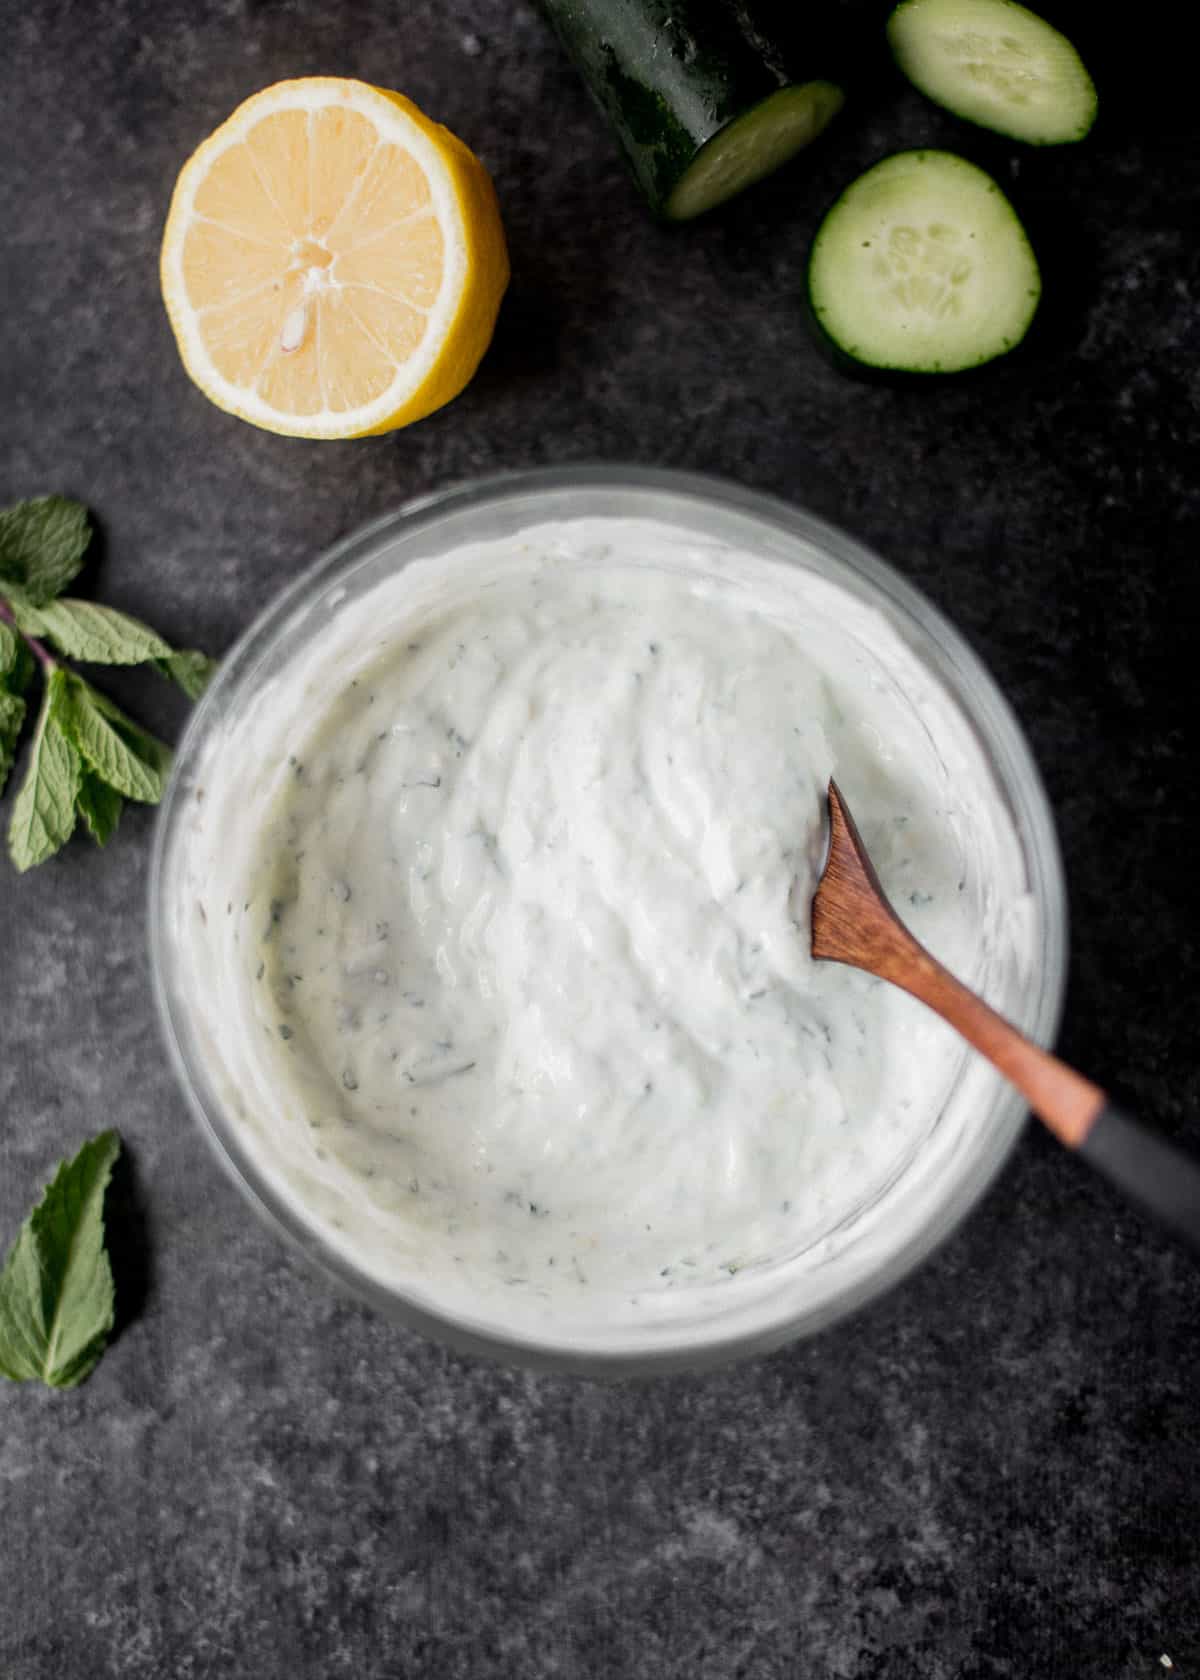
(56, 1289)
(86, 757)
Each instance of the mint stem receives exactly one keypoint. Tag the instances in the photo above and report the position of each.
(43, 656)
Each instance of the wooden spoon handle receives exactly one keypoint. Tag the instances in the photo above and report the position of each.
(1066, 1101)
(853, 922)
(1162, 1177)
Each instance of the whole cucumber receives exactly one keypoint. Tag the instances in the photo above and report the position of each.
(700, 93)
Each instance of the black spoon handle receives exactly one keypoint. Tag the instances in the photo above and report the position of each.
(1162, 1177)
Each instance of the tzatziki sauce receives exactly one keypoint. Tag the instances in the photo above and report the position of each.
(498, 912)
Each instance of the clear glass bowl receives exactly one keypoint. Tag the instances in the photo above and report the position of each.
(956, 1170)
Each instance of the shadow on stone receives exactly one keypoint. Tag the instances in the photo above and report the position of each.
(95, 554)
(528, 333)
(128, 1243)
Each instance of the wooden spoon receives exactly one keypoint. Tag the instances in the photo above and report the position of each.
(853, 922)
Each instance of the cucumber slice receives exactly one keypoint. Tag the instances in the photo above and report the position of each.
(922, 266)
(996, 64)
(702, 95)
(753, 146)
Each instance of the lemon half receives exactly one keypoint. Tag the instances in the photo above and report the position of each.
(333, 261)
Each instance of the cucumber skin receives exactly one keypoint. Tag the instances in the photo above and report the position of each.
(873, 373)
(669, 75)
(981, 122)
(897, 378)
(870, 373)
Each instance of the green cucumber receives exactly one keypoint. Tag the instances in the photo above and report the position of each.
(699, 94)
(922, 266)
(996, 64)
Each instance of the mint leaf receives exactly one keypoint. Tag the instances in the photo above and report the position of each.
(16, 661)
(14, 675)
(12, 716)
(112, 745)
(10, 652)
(26, 616)
(155, 754)
(43, 813)
(56, 1289)
(101, 635)
(191, 670)
(42, 544)
(99, 806)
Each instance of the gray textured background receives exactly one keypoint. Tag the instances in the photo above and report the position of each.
(990, 1475)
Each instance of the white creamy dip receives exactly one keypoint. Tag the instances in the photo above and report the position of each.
(498, 907)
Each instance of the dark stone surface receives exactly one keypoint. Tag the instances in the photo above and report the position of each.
(992, 1474)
